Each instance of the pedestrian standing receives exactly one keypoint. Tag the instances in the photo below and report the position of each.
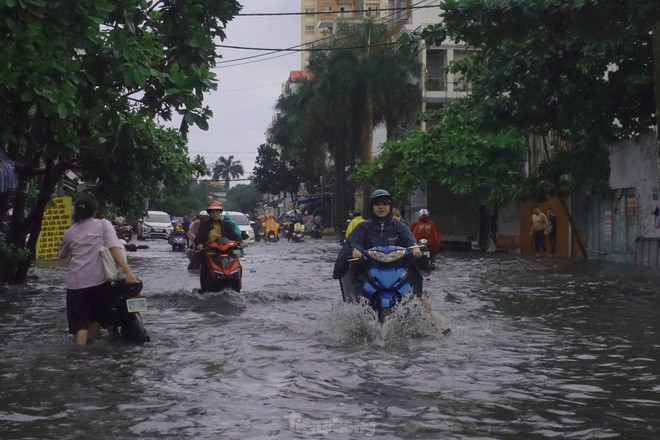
(539, 230)
(552, 230)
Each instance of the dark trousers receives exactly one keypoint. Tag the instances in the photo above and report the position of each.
(552, 239)
(539, 241)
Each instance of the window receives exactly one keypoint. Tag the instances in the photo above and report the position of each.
(309, 28)
(327, 8)
(460, 85)
(310, 11)
(435, 77)
(371, 10)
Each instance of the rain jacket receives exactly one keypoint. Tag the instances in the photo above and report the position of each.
(354, 222)
(205, 228)
(271, 225)
(424, 227)
(370, 233)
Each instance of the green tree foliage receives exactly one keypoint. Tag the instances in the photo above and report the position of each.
(459, 151)
(243, 198)
(185, 199)
(83, 81)
(226, 168)
(298, 136)
(274, 175)
(360, 80)
(581, 70)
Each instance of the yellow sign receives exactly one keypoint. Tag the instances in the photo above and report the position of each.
(57, 219)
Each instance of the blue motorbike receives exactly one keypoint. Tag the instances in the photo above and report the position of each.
(384, 277)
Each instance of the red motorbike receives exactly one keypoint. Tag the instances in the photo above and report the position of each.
(224, 268)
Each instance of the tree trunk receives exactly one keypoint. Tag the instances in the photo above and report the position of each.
(656, 73)
(340, 186)
(20, 226)
(366, 151)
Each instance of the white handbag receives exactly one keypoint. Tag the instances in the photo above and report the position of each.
(112, 271)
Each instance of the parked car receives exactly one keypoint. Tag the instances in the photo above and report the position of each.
(155, 224)
(243, 223)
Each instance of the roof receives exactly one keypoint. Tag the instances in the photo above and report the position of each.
(295, 75)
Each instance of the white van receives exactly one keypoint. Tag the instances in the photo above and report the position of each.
(243, 223)
(155, 224)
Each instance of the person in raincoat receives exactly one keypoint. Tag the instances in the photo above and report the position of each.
(271, 225)
(215, 227)
(226, 217)
(425, 228)
(356, 220)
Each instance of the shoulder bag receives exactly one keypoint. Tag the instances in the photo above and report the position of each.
(112, 271)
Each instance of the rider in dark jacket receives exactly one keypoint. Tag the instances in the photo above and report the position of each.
(209, 230)
(379, 230)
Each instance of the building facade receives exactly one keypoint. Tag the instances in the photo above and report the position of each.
(319, 18)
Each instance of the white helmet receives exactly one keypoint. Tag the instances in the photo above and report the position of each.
(203, 212)
(423, 212)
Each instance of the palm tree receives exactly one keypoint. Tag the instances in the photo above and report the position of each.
(299, 144)
(361, 81)
(227, 169)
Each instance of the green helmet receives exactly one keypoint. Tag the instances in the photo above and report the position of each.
(380, 194)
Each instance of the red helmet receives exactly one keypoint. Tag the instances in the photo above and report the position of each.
(213, 204)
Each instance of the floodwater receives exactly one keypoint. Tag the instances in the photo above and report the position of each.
(539, 348)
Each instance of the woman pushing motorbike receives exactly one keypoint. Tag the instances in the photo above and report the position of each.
(88, 293)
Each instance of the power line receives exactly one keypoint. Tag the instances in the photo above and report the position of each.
(312, 49)
(271, 14)
(290, 50)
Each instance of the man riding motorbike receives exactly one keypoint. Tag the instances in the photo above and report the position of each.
(379, 230)
(209, 231)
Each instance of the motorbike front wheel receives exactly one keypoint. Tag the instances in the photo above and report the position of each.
(383, 314)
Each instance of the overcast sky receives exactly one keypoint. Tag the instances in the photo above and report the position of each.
(247, 91)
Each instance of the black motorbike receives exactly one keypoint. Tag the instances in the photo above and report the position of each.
(125, 322)
(178, 240)
(317, 230)
(124, 232)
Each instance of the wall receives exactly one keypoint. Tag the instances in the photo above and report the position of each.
(634, 164)
(625, 227)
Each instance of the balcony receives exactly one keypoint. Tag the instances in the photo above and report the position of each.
(435, 84)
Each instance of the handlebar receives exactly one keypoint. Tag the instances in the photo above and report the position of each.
(409, 248)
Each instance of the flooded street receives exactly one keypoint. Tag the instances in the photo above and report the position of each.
(539, 348)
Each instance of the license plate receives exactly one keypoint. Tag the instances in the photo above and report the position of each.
(136, 305)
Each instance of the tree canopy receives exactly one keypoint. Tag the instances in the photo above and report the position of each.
(243, 198)
(581, 71)
(274, 174)
(459, 150)
(84, 82)
(358, 80)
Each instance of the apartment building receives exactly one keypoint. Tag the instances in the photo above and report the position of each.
(319, 18)
(462, 225)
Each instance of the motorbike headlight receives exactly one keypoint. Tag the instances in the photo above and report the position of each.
(387, 257)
